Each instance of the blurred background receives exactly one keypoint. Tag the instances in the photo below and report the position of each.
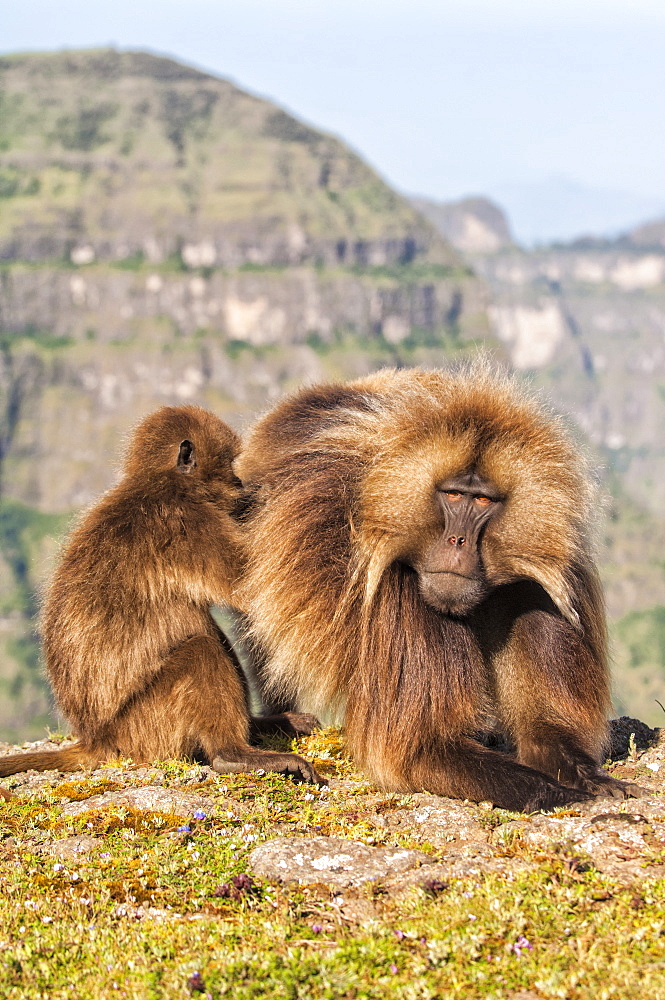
(214, 203)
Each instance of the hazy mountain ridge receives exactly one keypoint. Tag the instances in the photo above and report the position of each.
(558, 208)
(650, 234)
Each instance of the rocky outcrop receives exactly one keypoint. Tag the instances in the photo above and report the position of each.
(472, 225)
(650, 234)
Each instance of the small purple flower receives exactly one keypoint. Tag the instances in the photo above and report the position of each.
(184, 829)
(521, 944)
(394, 970)
(317, 928)
(399, 935)
(199, 814)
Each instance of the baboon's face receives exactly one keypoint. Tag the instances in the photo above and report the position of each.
(450, 568)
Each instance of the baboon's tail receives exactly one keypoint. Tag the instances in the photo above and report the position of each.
(72, 758)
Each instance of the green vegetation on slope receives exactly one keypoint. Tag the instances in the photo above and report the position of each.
(27, 541)
(639, 658)
(127, 152)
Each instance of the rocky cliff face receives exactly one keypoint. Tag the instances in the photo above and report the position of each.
(591, 321)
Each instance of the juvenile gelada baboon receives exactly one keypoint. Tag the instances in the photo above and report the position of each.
(136, 661)
(420, 569)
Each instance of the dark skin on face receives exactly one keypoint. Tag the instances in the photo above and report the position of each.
(450, 570)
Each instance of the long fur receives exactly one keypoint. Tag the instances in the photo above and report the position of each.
(137, 664)
(343, 479)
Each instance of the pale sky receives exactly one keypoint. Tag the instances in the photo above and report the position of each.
(443, 98)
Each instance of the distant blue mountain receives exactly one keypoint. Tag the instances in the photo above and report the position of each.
(558, 209)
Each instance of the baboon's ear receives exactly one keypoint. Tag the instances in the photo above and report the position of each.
(186, 457)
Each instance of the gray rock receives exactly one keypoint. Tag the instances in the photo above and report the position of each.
(150, 797)
(440, 820)
(72, 847)
(615, 835)
(456, 866)
(332, 860)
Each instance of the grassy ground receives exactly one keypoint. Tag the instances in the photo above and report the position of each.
(157, 908)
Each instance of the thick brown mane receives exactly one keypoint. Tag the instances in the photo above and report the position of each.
(344, 480)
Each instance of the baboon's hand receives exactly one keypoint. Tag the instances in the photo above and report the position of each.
(302, 723)
(289, 723)
(612, 787)
(553, 796)
(602, 785)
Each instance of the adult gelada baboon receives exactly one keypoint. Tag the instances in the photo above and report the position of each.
(420, 569)
(136, 661)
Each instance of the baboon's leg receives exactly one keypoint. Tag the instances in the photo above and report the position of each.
(198, 702)
(552, 695)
